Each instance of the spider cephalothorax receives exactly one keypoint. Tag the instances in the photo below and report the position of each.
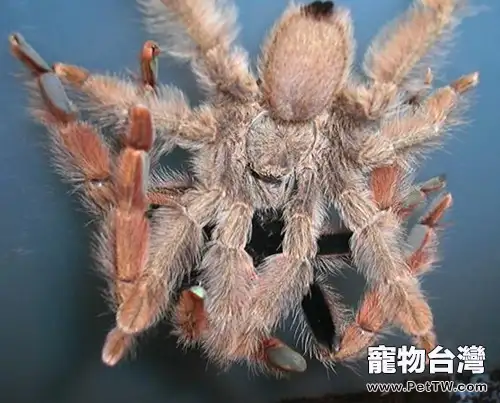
(306, 138)
(273, 151)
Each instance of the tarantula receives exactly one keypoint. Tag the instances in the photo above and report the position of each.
(306, 136)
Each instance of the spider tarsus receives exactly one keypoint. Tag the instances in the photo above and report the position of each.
(319, 9)
(465, 83)
(434, 184)
(116, 346)
(149, 64)
(136, 314)
(284, 358)
(55, 98)
(434, 216)
(23, 51)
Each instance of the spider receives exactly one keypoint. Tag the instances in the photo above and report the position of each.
(305, 137)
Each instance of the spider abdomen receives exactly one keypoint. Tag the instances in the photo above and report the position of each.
(307, 61)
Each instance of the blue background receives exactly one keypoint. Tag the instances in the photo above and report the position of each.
(52, 318)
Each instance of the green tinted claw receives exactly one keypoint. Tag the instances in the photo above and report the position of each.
(55, 97)
(199, 291)
(23, 51)
(284, 358)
